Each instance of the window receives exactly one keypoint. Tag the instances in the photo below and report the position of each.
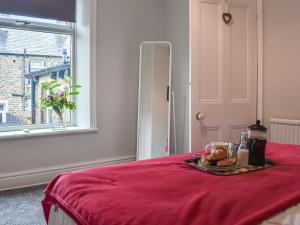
(32, 51)
(36, 64)
(3, 111)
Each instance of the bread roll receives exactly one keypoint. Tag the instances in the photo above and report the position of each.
(219, 154)
(205, 161)
(227, 162)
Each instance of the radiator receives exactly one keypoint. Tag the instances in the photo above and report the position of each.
(285, 131)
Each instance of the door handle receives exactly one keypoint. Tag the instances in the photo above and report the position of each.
(200, 116)
(168, 93)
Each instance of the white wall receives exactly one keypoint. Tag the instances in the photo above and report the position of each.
(177, 12)
(122, 26)
(281, 59)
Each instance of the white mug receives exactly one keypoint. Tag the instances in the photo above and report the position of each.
(214, 145)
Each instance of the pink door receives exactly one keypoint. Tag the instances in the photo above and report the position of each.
(224, 70)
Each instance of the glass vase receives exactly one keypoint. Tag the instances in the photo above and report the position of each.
(58, 122)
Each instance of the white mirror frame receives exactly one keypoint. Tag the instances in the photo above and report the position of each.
(139, 95)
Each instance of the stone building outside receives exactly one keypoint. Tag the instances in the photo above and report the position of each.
(27, 59)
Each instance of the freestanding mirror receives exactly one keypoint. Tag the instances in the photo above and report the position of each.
(154, 100)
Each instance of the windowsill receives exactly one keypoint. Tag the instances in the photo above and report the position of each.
(45, 132)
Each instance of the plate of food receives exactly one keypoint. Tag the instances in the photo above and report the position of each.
(218, 160)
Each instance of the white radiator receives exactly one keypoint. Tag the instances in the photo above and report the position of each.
(285, 131)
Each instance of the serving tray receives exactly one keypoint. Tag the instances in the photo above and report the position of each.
(236, 170)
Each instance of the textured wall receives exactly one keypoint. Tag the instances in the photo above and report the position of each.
(11, 78)
(281, 59)
(177, 27)
(11, 70)
(122, 26)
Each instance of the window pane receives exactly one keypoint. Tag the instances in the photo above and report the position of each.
(27, 59)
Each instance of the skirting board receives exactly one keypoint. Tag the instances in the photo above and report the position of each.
(44, 175)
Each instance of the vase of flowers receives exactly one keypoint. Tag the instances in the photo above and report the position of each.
(59, 99)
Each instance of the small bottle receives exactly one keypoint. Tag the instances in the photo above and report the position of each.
(243, 151)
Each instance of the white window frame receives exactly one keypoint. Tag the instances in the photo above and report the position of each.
(32, 68)
(68, 29)
(83, 62)
(86, 64)
(4, 111)
(11, 22)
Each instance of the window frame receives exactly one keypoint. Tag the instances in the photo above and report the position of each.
(35, 68)
(35, 25)
(3, 112)
(28, 25)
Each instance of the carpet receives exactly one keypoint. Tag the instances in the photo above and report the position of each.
(22, 207)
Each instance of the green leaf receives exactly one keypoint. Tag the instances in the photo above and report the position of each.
(55, 86)
(57, 110)
(74, 93)
(56, 102)
(75, 86)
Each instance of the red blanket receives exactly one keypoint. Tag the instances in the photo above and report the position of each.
(165, 191)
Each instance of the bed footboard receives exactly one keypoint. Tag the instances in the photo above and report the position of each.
(59, 217)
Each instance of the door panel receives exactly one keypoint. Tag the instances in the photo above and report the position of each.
(224, 70)
(210, 134)
(208, 55)
(235, 131)
(239, 78)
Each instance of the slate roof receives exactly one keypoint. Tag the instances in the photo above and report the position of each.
(47, 71)
(13, 41)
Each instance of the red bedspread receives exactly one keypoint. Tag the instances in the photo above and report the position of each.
(165, 191)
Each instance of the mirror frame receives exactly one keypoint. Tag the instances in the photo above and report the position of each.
(139, 94)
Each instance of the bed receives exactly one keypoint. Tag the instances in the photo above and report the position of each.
(290, 216)
(166, 191)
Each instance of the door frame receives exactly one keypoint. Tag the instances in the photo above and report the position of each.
(260, 60)
(260, 66)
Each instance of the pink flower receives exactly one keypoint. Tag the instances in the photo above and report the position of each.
(62, 94)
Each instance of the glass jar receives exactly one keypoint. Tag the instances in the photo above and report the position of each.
(243, 150)
(257, 140)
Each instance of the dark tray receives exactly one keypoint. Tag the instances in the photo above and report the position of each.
(238, 170)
